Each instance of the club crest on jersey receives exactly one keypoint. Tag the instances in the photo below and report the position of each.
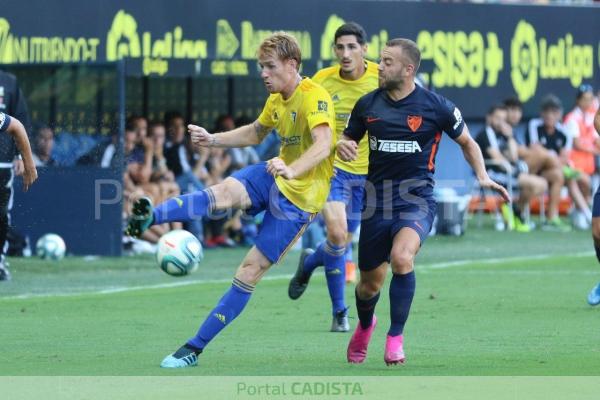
(414, 122)
(322, 105)
(293, 114)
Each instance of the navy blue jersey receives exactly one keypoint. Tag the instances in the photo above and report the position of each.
(4, 122)
(404, 137)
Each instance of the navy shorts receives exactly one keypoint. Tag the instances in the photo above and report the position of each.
(379, 228)
(349, 189)
(596, 205)
(283, 222)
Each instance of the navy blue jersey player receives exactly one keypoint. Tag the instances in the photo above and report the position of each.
(405, 124)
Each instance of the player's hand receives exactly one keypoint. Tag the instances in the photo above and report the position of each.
(276, 167)
(490, 184)
(200, 137)
(29, 176)
(347, 149)
(18, 167)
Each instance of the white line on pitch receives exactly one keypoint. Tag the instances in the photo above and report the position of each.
(425, 267)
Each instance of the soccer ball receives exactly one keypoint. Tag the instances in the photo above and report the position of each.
(178, 253)
(50, 247)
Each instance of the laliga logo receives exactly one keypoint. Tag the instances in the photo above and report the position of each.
(533, 59)
(524, 61)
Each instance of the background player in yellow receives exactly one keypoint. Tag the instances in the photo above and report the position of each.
(292, 188)
(347, 81)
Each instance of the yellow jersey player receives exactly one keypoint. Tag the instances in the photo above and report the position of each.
(347, 81)
(291, 188)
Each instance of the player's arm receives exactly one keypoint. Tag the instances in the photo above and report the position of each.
(347, 146)
(317, 152)
(472, 154)
(247, 135)
(16, 129)
(597, 121)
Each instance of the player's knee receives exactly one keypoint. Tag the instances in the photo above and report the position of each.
(368, 289)
(337, 234)
(402, 262)
(251, 271)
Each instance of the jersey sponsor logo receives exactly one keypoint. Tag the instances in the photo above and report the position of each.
(290, 140)
(178, 201)
(457, 117)
(370, 120)
(414, 122)
(398, 146)
(322, 105)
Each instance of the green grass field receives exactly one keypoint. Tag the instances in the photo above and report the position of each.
(488, 303)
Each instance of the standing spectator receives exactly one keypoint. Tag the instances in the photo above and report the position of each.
(12, 102)
(579, 124)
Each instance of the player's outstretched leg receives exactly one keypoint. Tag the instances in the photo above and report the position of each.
(249, 273)
(141, 217)
(229, 307)
(357, 348)
(177, 209)
(299, 281)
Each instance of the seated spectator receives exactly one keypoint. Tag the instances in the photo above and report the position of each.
(548, 132)
(579, 124)
(499, 150)
(187, 165)
(161, 175)
(138, 155)
(241, 156)
(43, 142)
(540, 161)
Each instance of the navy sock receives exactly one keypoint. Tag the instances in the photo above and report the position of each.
(335, 272)
(597, 248)
(230, 306)
(185, 208)
(314, 260)
(402, 291)
(366, 309)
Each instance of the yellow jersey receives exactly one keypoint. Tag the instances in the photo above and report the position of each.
(310, 105)
(345, 94)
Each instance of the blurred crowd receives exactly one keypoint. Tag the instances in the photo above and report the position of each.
(552, 157)
(161, 163)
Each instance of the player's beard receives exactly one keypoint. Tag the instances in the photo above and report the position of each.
(390, 83)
